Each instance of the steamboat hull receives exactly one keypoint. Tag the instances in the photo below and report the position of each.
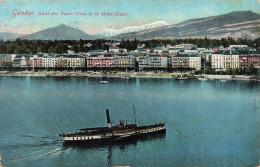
(114, 138)
(113, 134)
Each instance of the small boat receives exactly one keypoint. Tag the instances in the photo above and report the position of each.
(112, 134)
(202, 79)
(103, 82)
(222, 80)
(182, 78)
(127, 77)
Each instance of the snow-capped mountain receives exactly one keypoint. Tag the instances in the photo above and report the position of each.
(106, 33)
(237, 24)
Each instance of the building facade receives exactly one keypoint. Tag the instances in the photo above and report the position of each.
(228, 59)
(252, 58)
(159, 61)
(101, 61)
(186, 61)
(124, 61)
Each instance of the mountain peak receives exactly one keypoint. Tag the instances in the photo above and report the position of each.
(113, 32)
(243, 13)
(62, 24)
(60, 32)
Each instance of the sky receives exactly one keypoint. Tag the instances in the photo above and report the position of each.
(139, 12)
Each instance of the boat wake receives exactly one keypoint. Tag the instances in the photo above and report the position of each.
(29, 147)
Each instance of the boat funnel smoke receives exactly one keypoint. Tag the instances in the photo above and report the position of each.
(108, 119)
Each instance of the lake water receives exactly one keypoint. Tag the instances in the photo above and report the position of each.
(210, 123)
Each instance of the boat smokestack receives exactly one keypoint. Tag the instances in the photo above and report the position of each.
(108, 119)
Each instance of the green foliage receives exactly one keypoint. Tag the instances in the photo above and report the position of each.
(20, 46)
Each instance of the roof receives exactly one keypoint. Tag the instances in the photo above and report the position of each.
(219, 52)
(253, 53)
(230, 52)
(164, 55)
(70, 56)
(108, 55)
(186, 55)
(242, 52)
(141, 49)
(115, 47)
(95, 51)
(175, 49)
(158, 47)
(93, 56)
(23, 55)
(124, 55)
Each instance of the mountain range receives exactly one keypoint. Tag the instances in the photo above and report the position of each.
(9, 36)
(238, 24)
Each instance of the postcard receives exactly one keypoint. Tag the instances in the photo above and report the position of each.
(129, 83)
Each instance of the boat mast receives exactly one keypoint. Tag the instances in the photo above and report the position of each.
(59, 126)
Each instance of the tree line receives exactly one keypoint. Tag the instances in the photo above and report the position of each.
(20, 46)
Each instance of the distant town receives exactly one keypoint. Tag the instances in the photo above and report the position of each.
(137, 56)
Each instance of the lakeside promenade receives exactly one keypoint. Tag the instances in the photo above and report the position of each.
(121, 74)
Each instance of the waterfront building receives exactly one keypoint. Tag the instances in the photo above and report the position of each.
(180, 61)
(63, 61)
(228, 59)
(186, 61)
(159, 61)
(36, 61)
(195, 62)
(217, 60)
(101, 61)
(231, 59)
(249, 58)
(142, 61)
(49, 61)
(73, 61)
(21, 61)
(124, 60)
(6, 60)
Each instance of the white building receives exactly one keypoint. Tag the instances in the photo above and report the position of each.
(49, 61)
(237, 46)
(174, 50)
(228, 59)
(114, 49)
(142, 61)
(159, 61)
(195, 62)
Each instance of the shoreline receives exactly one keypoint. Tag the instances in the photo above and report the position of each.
(122, 75)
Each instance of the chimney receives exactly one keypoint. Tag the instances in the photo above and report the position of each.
(108, 119)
